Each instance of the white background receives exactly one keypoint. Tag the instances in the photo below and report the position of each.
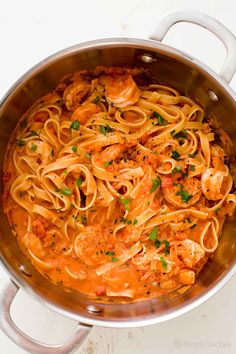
(32, 30)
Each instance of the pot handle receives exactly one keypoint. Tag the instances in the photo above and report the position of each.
(24, 341)
(209, 23)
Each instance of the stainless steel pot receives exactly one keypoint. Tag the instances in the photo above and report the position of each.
(168, 65)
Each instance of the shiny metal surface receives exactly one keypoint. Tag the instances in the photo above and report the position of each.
(177, 69)
(29, 344)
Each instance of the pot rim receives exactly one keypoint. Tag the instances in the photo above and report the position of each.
(145, 44)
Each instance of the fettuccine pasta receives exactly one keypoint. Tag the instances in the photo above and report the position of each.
(115, 188)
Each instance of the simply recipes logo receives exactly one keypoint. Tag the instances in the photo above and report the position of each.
(219, 346)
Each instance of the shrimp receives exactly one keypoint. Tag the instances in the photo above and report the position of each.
(212, 181)
(35, 245)
(190, 252)
(186, 277)
(218, 156)
(122, 91)
(112, 152)
(38, 228)
(84, 112)
(183, 194)
(74, 94)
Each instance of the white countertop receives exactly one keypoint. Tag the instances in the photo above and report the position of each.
(32, 30)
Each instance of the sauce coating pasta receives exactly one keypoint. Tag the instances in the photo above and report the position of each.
(116, 189)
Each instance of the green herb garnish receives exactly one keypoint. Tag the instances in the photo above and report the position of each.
(108, 163)
(156, 182)
(157, 243)
(88, 155)
(79, 181)
(114, 259)
(34, 147)
(135, 221)
(33, 133)
(160, 119)
(184, 195)
(20, 142)
(175, 155)
(125, 203)
(96, 100)
(66, 191)
(74, 148)
(217, 210)
(83, 220)
(163, 262)
(191, 168)
(167, 247)
(75, 125)
(104, 129)
(153, 233)
(194, 154)
(110, 253)
(23, 123)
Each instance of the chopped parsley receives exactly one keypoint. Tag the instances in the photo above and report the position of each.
(23, 123)
(33, 133)
(110, 253)
(172, 133)
(104, 129)
(126, 221)
(167, 247)
(88, 155)
(163, 262)
(181, 135)
(191, 168)
(34, 147)
(125, 203)
(20, 142)
(96, 100)
(156, 182)
(135, 221)
(83, 220)
(79, 182)
(65, 191)
(160, 119)
(217, 210)
(193, 226)
(194, 154)
(108, 163)
(175, 155)
(153, 233)
(74, 148)
(114, 259)
(75, 125)
(157, 243)
(184, 195)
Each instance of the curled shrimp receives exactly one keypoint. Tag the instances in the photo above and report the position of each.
(190, 252)
(35, 245)
(186, 277)
(38, 228)
(112, 152)
(122, 91)
(217, 157)
(74, 94)
(212, 182)
(84, 112)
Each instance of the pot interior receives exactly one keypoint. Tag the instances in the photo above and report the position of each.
(168, 67)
